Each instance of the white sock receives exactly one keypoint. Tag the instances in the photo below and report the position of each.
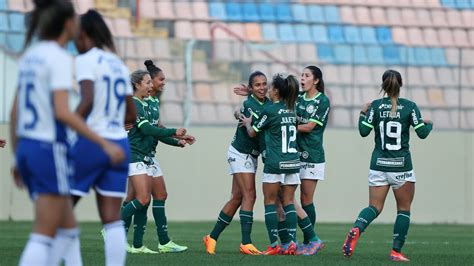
(73, 256)
(62, 244)
(115, 244)
(37, 250)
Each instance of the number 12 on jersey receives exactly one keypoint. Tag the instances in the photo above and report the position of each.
(288, 144)
(392, 130)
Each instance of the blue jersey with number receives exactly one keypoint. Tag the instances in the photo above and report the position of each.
(111, 85)
(44, 68)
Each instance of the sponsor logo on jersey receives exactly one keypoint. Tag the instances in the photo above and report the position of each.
(230, 159)
(284, 111)
(290, 165)
(260, 124)
(371, 116)
(415, 119)
(404, 176)
(308, 166)
(391, 162)
(310, 108)
(389, 106)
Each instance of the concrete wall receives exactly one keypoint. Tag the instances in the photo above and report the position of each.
(198, 183)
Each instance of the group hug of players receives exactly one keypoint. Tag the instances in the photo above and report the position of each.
(286, 128)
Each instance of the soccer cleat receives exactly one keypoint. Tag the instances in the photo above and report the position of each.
(249, 249)
(288, 249)
(143, 250)
(350, 242)
(130, 249)
(210, 245)
(102, 233)
(397, 256)
(272, 250)
(313, 247)
(171, 247)
(301, 250)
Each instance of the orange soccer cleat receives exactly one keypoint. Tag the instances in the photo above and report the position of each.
(210, 245)
(249, 249)
(350, 242)
(397, 256)
(272, 250)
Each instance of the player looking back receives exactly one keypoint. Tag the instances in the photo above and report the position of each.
(390, 166)
(40, 115)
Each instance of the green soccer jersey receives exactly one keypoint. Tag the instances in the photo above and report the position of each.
(279, 126)
(154, 114)
(242, 142)
(316, 109)
(392, 134)
(140, 143)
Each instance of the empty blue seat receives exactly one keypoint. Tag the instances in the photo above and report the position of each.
(336, 34)
(14, 42)
(343, 54)
(449, 3)
(320, 34)
(286, 33)
(384, 35)
(332, 14)
(299, 13)
(303, 33)
(217, 10)
(391, 55)
(375, 55)
(367, 35)
(266, 11)
(269, 32)
(17, 22)
(325, 53)
(250, 13)
(463, 4)
(233, 12)
(360, 55)
(352, 35)
(438, 57)
(403, 52)
(3, 21)
(3, 41)
(3, 5)
(316, 14)
(411, 58)
(423, 56)
(283, 13)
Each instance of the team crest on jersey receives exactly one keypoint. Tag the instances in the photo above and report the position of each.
(310, 108)
(305, 155)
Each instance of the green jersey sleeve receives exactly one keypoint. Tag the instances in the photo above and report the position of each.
(422, 129)
(170, 141)
(262, 122)
(320, 113)
(366, 121)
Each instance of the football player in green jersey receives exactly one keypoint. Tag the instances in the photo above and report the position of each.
(242, 158)
(312, 109)
(141, 137)
(282, 163)
(391, 166)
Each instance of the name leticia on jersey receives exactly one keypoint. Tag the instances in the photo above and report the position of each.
(385, 114)
(288, 120)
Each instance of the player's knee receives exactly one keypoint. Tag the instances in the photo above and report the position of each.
(145, 200)
(250, 196)
(306, 199)
(161, 196)
(236, 198)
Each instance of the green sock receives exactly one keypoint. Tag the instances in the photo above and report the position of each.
(310, 209)
(400, 230)
(366, 216)
(291, 221)
(271, 221)
(160, 221)
(222, 222)
(130, 209)
(139, 226)
(246, 221)
(283, 233)
(127, 221)
(308, 231)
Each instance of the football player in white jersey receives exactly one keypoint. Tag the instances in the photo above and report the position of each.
(105, 103)
(39, 117)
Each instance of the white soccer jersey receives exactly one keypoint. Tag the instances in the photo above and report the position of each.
(44, 68)
(111, 86)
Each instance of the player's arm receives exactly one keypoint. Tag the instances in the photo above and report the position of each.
(131, 110)
(365, 120)
(242, 90)
(422, 126)
(87, 98)
(150, 130)
(251, 130)
(13, 117)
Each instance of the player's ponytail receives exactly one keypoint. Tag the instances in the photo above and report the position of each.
(47, 19)
(391, 84)
(317, 75)
(136, 77)
(152, 69)
(287, 89)
(95, 27)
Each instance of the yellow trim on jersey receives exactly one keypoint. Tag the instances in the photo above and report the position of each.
(367, 124)
(255, 115)
(418, 126)
(140, 100)
(314, 98)
(255, 128)
(316, 121)
(256, 99)
(142, 122)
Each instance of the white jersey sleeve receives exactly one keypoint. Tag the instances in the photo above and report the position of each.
(61, 72)
(84, 69)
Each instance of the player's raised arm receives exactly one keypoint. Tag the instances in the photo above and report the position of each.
(366, 120)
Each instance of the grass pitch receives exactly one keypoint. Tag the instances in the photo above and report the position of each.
(426, 245)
